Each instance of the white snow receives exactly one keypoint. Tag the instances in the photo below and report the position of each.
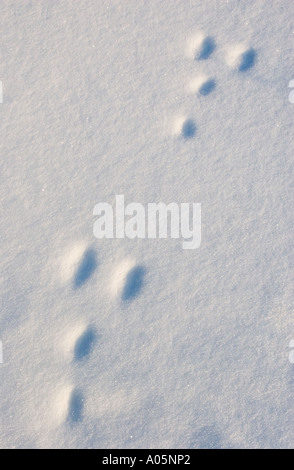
(104, 98)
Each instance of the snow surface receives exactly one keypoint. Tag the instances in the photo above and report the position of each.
(96, 95)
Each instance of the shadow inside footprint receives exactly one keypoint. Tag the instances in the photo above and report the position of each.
(134, 282)
(207, 87)
(86, 268)
(207, 48)
(207, 438)
(247, 60)
(84, 344)
(188, 129)
(76, 405)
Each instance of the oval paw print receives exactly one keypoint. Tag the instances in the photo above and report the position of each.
(85, 268)
(202, 85)
(185, 128)
(188, 129)
(201, 47)
(78, 265)
(85, 343)
(241, 58)
(75, 406)
(128, 280)
(133, 283)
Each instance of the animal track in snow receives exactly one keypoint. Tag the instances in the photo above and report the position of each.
(78, 345)
(79, 265)
(75, 406)
(79, 342)
(188, 129)
(86, 268)
(207, 438)
(128, 280)
(133, 283)
(84, 344)
(185, 128)
(241, 58)
(69, 405)
(201, 47)
(207, 87)
(202, 85)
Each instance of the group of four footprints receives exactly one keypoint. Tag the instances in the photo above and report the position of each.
(127, 281)
(200, 48)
